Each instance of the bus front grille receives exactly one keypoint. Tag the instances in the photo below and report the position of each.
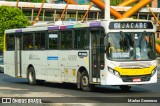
(131, 78)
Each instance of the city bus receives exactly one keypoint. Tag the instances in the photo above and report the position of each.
(101, 52)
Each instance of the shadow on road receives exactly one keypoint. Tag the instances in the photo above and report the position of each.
(68, 88)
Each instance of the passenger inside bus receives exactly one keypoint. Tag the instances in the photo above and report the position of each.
(30, 46)
(144, 49)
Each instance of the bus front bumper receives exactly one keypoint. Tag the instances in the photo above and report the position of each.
(111, 79)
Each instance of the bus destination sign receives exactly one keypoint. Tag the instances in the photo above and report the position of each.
(131, 25)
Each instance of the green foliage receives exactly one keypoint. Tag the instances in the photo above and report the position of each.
(114, 2)
(11, 18)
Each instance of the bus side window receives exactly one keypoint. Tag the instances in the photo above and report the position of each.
(39, 41)
(28, 41)
(81, 40)
(66, 40)
(10, 42)
(53, 40)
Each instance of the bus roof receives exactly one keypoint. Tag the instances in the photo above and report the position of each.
(55, 26)
(68, 25)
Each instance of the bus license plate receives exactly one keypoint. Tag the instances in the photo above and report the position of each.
(136, 79)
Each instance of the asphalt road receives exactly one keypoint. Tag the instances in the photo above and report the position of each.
(158, 66)
(68, 93)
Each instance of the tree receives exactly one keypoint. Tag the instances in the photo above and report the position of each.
(114, 2)
(11, 18)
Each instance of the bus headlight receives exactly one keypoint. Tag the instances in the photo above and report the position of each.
(111, 70)
(153, 72)
(116, 73)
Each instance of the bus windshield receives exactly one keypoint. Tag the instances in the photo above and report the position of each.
(130, 46)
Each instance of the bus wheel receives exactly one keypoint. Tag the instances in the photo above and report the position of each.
(125, 87)
(31, 76)
(84, 81)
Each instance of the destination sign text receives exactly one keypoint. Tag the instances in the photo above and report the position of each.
(130, 25)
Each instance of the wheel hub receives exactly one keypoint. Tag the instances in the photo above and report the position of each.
(30, 77)
(85, 81)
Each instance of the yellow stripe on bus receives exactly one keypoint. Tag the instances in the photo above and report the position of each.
(4, 45)
(132, 72)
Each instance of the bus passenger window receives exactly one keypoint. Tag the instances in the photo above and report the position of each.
(28, 41)
(39, 41)
(81, 39)
(66, 40)
(10, 42)
(53, 41)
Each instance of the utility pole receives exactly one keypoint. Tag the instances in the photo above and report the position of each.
(107, 9)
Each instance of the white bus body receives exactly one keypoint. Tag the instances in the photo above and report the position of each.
(80, 53)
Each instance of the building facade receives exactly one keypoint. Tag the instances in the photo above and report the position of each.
(156, 4)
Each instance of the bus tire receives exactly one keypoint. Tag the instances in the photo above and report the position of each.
(125, 87)
(31, 76)
(84, 82)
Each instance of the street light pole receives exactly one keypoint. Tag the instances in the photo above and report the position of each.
(107, 9)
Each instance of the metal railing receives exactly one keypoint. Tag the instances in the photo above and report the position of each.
(47, 18)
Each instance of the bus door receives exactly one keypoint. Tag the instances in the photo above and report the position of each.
(97, 44)
(17, 55)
